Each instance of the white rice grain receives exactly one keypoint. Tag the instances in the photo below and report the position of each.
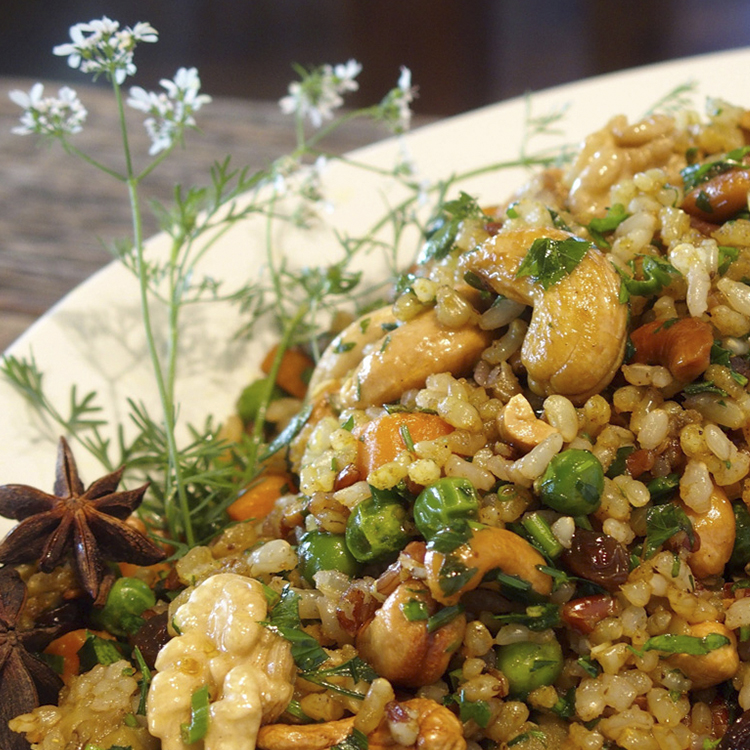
(696, 486)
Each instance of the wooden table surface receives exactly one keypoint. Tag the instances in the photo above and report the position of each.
(57, 213)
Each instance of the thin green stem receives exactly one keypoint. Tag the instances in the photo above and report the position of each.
(165, 387)
(71, 149)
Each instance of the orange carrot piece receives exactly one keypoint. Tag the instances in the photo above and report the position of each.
(68, 645)
(293, 371)
(381, 440)
(257, 501)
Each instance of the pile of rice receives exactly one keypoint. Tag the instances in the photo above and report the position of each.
(633, 699)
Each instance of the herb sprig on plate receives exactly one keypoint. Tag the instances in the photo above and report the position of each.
(192, 483)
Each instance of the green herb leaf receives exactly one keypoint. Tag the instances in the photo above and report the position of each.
(537, 617)
(284, 619)
(704, 386)
(662, 488)
(598, 227)
(144, 683)
(443, 232)
(695, 174)
(549, 261)
(662, 523)
(355, 741)
(685, 644)
(589, 666)
(477, 711)
(727, 256)
(356, 668)
(443, 616)
(98, 650)
(454, 575)
(655, 274)
(619, 465)
(415, 610)
(289, 432)
(199, 715)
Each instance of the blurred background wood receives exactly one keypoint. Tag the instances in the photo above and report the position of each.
(463, 54)
(58, 214)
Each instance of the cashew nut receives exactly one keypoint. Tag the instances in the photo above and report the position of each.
(407, 355)
(488, 548)
(714, 667)
(716, 530)
(682, 345)
(614, 153)
(401, 649)
(576, 338)
(345, 352)
(437, 728)
(520, 426)
(248, 669)
(719, 198)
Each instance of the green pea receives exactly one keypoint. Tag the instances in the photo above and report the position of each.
(319, 550)
(572, 483)
(443, 503)
(127, 600)
(528, 666)
(376, 529)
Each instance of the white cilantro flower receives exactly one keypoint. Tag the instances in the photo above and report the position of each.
(395, 108)
(100, 46)
(56, 116)
(170, 111)
(319, 92)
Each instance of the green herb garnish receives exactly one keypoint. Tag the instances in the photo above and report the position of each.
(549, 261)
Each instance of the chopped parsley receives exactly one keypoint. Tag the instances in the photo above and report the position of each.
(549, 261)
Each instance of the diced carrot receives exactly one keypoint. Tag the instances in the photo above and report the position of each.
(148, 573)
(68, 645)
(381, 440)
(293, 372)
(258, 499)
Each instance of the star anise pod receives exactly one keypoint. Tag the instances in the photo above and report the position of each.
(25, 680)
(89, 522)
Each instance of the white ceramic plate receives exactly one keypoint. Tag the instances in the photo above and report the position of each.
(94, 337)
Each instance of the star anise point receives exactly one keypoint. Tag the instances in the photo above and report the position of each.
(89, 522)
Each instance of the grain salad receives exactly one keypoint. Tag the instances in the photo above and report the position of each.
(508, 508)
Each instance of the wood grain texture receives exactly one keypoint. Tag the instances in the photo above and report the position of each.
(58, 214)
